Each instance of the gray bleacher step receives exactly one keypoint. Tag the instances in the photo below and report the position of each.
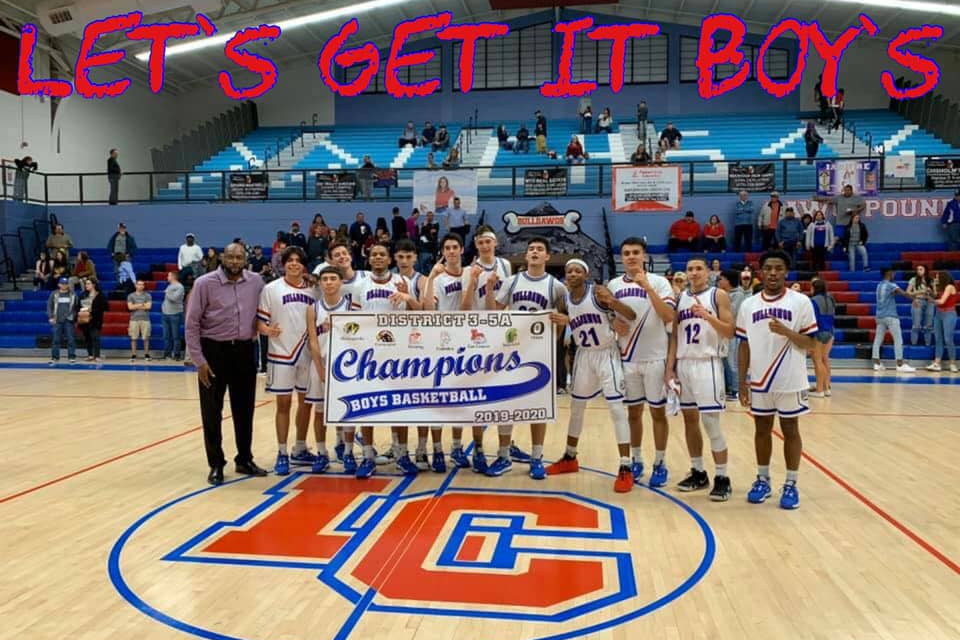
(9, 294)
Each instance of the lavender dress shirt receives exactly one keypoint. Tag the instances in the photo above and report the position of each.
(221, 309)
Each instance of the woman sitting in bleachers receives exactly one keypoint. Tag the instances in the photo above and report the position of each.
(714, 236)
(575, 154)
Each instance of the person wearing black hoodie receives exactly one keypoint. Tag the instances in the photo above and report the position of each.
(93, 305)
(398, 225)
(24, 168)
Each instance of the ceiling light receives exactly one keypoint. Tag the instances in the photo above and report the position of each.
(907, 5)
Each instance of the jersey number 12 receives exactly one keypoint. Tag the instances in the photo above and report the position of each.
(693, 333)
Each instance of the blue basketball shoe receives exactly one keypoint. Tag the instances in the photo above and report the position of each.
(789, 496)
(282, 467)
(537, 470)
(499, 467)
(366, 469)
(760, 490)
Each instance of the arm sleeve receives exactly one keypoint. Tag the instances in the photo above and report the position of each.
(806, 318)
(192, 329)
(741, 322)
(503, 295)
(263, 307)
(559, 293)
(665, 291)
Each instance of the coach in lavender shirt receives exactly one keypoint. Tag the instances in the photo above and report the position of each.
(221, 332)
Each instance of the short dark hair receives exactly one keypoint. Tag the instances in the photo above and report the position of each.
(778, 254)
(330, 269)
(702, 259)
(634, 241)
(385, 245)
(396, 210)
(291, 251)
(405, 246)
(484, 228)
(732, 276)
(335, 244)
(886, 271)
(452, 236)
(539, 240)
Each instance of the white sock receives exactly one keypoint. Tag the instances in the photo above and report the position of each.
(321, 449)
(504, 452)
(401, 450)
(299, 446)
(637, 454)
(421, 444)
(457, 443)
(722, 469)
(658, 457)
(283, 448)
(339, 435)
(624, 461)
(763, 471)
(536, 451)
(438, 447)
(368, 451)
(792, 476)
(697, 463)
(571, 451)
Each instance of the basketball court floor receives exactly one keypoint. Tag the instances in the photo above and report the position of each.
(109, 530)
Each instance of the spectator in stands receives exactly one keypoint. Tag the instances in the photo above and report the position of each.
(113, 175)
(855, 241)
(427, 253)
(789, 234)
(62, 308)
(413, 227)
(211, 261)
(360, 232)
(60, 269)
(888, 320)
(640, 156)
(189, 258)
(258, 261)
(503, 137)
(121, 244)
(428, 134)
(819, 240)
(945, 321)
(139, 303)
(398, 225)
(281, 237)
(643, 113)
(60, 241)
(727, 280)
(295, 237)
(42, 270)
(342, 234)
(172, 318)
(714, 235)
(93, 305)
(923, 307)
(275, 263)
(845, 205)
(768, 220)
(22, 173)
(409, 135)
(456, 219)
(821, 100)
(540, 131)
(247, 249)
(321, 224)
(836, 106)
(431, 162)
(746, 282)
(684, 233)
(658, 158)
(679, 282)
(317, 245)
(744, 217)
(523, 140)
(812, 141)
(585, 113)
(83, 269)
(442, 141)
(366, 178)
(825, 308)
(670, 137)
(452, 161)
(950, 221)
(806, 219)
(126, 276)
(716, 270)
(605, 121)
(575, 154)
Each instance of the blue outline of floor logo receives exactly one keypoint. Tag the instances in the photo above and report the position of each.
(364, 518)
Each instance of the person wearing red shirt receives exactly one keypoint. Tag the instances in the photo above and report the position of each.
(575, 154)
(714, 236)
(684, 234)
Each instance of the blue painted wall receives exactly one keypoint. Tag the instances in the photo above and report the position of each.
(908, 217)
(674, 98)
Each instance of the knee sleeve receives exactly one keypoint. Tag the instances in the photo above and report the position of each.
(621, 427)
(505, 429)
(711, 422)
(577, 409)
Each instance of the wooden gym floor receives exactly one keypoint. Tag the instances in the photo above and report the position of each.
(108, 532)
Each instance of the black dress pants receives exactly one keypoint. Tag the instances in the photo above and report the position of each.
(234, 367)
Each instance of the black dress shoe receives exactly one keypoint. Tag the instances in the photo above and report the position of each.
(250, 469)
(216, 476)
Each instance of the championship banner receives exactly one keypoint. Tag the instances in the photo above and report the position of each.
(943, 174)
(336, 186)
(545, 182)
(862, 175)
(646, 189)
(751, 177)
(457, 368)
(249, 186)
(435, 190)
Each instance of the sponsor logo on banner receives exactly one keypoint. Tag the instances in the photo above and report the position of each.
(423, 382)
(862, 175)
(751, 177)
(942, 173)
(249, 186)
(351, 328)
(517, 222)
(880, 207)
(415, 338)
(647, 189)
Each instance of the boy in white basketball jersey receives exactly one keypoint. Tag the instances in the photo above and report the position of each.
(776, 328)
(596, 367)
(643, 349)
(700, 331)
(443, 291)
(530, 290)
(318, 318)
(479, 275)
(282, 316)
(384, 291)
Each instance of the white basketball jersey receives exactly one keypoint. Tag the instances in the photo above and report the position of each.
(647, 340)
(524, 293)
(323, 316)
(776, 364)
(284, 305)
(696, 338)
(416, 282)
(374, 295)
(448, 290)
(590, 324)
(349, 287)
(503, 270)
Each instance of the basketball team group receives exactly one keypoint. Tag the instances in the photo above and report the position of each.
(636, 343)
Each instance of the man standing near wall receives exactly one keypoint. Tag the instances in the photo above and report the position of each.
(951, 222)
(846, 204)
(113, 175)
(744, 217)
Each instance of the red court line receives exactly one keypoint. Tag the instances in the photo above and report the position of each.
(91, 397)
(923, 544)
(113, 459)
